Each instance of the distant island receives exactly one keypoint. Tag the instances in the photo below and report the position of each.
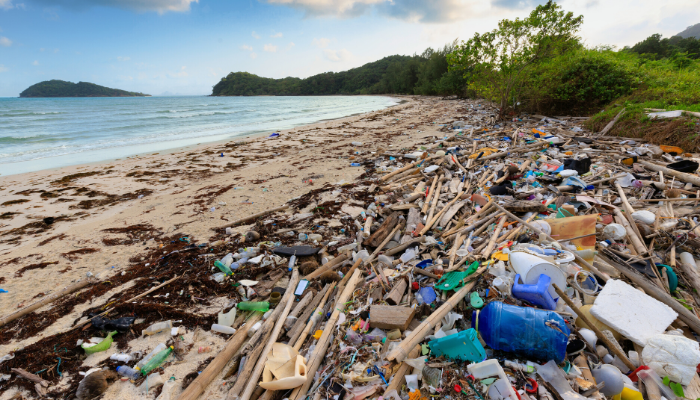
(58, 88)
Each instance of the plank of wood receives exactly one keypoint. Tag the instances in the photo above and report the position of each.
(384, 229)
(390, 317)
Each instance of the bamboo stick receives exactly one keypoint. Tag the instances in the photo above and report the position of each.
(431, 222)
(636, 240)
(46, 300)
(315, 317)
(323, 343)
(254, 216)
(294, 333)
(417, 335)
(436, 200)
(628, 213)
(384, 243)
(329, 266)
(397, 380)
(398, 171)
(492, 242)
(368, 227)
(685, 177)
(453, 253)
(197, 387)
(429, 196)
(288, 296)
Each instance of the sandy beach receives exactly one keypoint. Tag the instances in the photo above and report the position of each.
(57, 226)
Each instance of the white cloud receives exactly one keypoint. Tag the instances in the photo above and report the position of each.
(321, 42)
(5, 42)
(276, 35)
(337, 56)
(120, 58)
(6, 4)
(180, 74)
(270, 48)
(159, 6)
(253, 56)
(290, 45)
(36, 62)
(3, 68)
(408, 10)
(42, 49)
(247, 48)
(255, 35)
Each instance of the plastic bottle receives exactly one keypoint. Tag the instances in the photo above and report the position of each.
(157, 328)
(292, 261)
(223, 329)
(315, 236)
(528, 332)
(129, 372)
(261, 306)
(222, 267)
(150, 355)
(121, 357)
(156, 361)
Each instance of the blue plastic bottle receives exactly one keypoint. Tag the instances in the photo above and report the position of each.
(527, 332)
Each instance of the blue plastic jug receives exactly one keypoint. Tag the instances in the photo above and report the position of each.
(537, 294)
(527, 332)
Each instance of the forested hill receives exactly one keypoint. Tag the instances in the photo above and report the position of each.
(418, 74)
(58, 88)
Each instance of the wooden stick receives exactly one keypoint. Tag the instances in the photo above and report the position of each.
(254, 216)
(685, 177)
(517, 230)
(436, 200)
(315, 317)
(608, 344)
(400, 170)
(669, 200)
(397, 380)
(628, 213)
(329, 266)
(431, 222)
(636, 240)
(417, 335)
(197, 387)
(610, 125)
(322, 346)
(381, 245)
(368, 226)
(492, 242)
(455, 245)
(402, 247)
(347, 276)
(298, 327)
(288, 296)
(301, 304)
(431, 192)
(46, 300)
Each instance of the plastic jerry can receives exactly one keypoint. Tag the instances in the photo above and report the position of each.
(528, 332)
(537, 294)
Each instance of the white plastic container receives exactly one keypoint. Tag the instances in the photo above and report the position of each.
(223, 329)
(687, 259)
(530, 267)
(121, 357)
(227, 319)
(157, 328)
(491, 368)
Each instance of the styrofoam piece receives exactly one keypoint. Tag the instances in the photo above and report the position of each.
(644, 216)
(672, 356)
(284, 368)
(665, 114)
(632, 313)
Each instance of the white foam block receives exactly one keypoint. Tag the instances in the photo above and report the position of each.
(672, 356)
(632, 313)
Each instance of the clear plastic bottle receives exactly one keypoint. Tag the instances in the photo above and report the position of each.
(157, 328)
(129, 372)
(156, 361)
(150, 355)
(262, 306)
(292, 261)
(121, 357)
(223, 329)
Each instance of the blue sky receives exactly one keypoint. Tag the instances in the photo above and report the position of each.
(186, 46)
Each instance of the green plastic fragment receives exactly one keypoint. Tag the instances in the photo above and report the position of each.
(488, 381)
(425, 349)
(451, 280)
(475, 300)
(472, 268)
(102, 346)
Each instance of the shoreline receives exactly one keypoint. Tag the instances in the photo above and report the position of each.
(190, 147)
(103, 219)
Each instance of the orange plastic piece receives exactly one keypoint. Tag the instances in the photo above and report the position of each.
(671, 149)
(415, 395)
(538, 131)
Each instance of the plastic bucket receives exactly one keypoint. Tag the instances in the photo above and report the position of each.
(530, 267)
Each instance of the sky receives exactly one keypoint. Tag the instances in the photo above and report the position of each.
(184, 47)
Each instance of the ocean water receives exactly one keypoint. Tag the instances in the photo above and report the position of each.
(38, 134)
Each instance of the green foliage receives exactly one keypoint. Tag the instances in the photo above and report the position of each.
(58, 88)
(499, 61)
(424, 74)
(655, 48)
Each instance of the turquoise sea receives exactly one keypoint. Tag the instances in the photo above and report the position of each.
(38, 134)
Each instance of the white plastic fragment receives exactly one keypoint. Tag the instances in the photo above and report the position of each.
(632, 313)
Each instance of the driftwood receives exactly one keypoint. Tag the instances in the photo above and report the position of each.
(46, 300)
(298, 327)
(398, 380)
(329, 266)
(685, 177)
(254, 216)
(381, 233)
(396, 294)
(317, 314)
(323, 343)
(610, 124)
(197, 387)
(288, 301)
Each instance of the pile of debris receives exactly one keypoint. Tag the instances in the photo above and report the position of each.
(502, 261)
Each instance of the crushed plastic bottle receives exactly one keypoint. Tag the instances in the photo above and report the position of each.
(156, 361)
(261, 306)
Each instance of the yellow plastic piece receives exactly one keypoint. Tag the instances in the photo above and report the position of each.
(628, 394)
(500, 256)
(586, 310)
(318, 334)
(487, 152)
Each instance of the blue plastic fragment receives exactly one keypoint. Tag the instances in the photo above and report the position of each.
(537, 294)
(428, 294)
(424, 263)
(462, 346)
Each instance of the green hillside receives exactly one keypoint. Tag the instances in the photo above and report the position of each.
(58, 88)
